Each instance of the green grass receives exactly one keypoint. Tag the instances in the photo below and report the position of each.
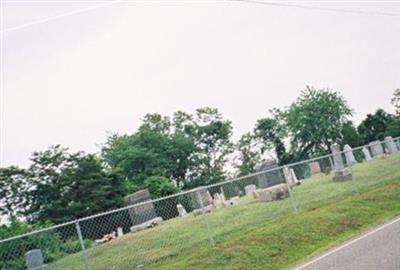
(257, 235)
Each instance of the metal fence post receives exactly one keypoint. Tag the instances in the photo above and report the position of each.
(291, 197)
(84, 253)
(206, 221)
(353, 180)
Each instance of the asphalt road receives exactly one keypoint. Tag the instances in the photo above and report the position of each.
(378, 249)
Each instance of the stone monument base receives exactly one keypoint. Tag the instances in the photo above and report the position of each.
(342, 175)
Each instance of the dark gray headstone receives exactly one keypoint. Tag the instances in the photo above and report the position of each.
(34, 259)
(143, 212)
(270, 178)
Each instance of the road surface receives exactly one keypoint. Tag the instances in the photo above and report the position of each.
(378, 249)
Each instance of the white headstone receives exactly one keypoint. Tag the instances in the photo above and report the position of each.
(120, 232)
(366, 153)
(348, 152)
(34, 259)
(391, 145)
(249, 189)
(290, 176)
(376, 149)
(181, 210)
(337, 157)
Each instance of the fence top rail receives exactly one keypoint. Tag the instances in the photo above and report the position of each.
(181, 193)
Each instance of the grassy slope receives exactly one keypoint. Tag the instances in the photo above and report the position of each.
(261, 235)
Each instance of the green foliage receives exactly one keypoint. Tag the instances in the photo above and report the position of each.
(12, 190)
(248, 157)
(314, 120)
(190, 150)
(393, 128)
(160, 186)
(350, 135)
(374, 126)
(396, 101)
(64, 186)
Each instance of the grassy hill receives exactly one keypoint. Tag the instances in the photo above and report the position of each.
(255, 235)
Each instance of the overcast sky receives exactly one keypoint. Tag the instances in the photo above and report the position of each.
(68, 81)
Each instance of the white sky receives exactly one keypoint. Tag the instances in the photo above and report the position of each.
(70, 80)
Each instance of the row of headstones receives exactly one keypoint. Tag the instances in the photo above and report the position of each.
(376, 147)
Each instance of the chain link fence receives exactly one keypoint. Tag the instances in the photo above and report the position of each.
(148, 233)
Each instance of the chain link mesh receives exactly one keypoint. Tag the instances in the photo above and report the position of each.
(154, 232)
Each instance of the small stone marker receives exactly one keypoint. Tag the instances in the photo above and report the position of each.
(314, 168)
(120, 232)
(181, 210)
(366, 153)
(34, 259)
(350, 159)
(376, 149)
(391, 145)
(142, 212)
(249, 189)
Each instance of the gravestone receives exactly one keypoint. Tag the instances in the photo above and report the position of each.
(34, 259)
(337, 157)
(249, 190)
(218, 200)
(181, 210)
(201, 197)
(143, 212)
(376, 149)
(290, 176)
(348, 152)
(391, 145)
(120, 232)
(366, 153)
(269, 178)
(340, 172)
(314, 167)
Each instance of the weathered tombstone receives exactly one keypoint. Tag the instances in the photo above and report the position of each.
(290, 176)
(181, 210)
(366, 153)
(391, 145)
(268, 178)
(337, 157)
(314, 167)
(143, 212)
(201, 198)
(34, 259)
(249, 189)
(218, 203)
(341, 173)
(376, 149)
(348, 152)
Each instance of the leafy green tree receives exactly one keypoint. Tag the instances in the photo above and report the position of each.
(248, 156)
(350, 135)
(396, 100)
(271, 132)
(160, 186)
(314, 121)
(374, 126)
(213, 144)
(65, 186)
(393, 128)
(12, 189)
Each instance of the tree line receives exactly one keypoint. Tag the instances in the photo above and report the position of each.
(168, 154)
